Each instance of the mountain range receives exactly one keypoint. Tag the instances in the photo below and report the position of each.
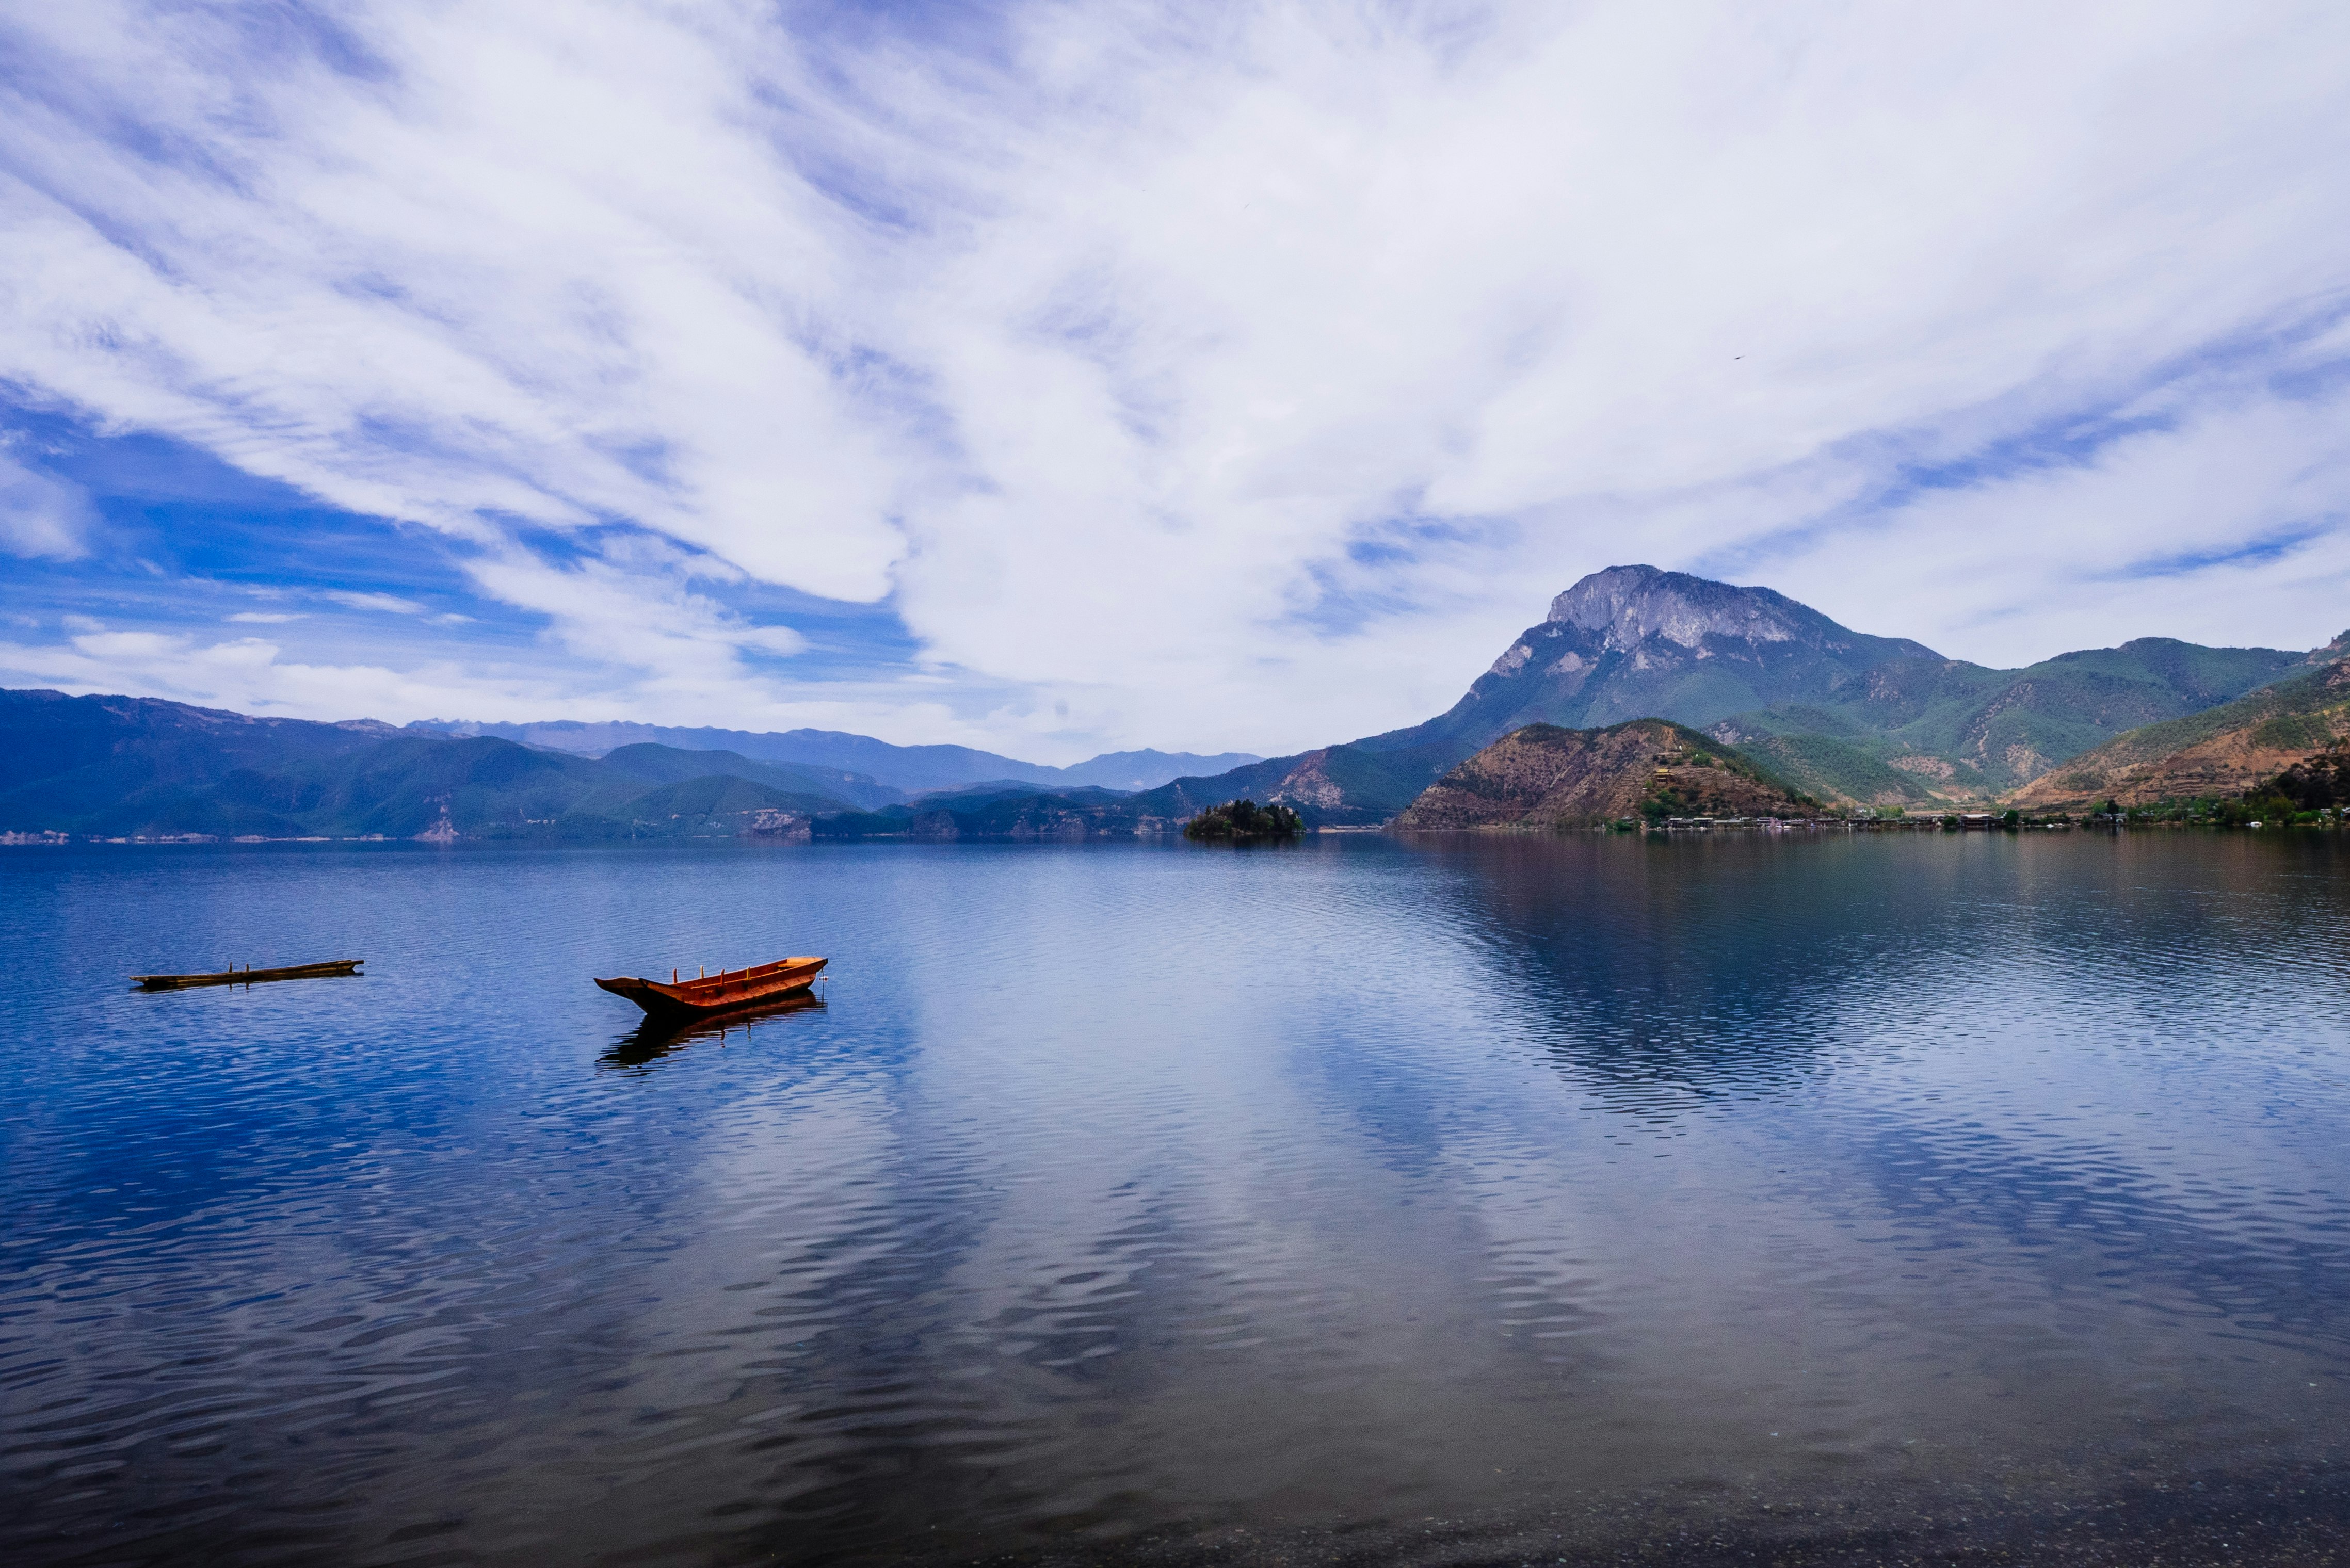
(1838, 713)
(2219, 751)
(1773, 691)
(909, 769)
(130, 767)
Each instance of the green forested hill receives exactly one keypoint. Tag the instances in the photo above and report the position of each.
(1008, 810)
(1836, 768)
(673, 764)
(1963, 727)
(2220, 750)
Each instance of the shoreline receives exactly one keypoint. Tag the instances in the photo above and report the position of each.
(1668, 827)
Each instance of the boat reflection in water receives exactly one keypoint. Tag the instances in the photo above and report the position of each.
(656, 1037)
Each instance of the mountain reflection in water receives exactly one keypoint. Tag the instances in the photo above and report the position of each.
(1471, 1199)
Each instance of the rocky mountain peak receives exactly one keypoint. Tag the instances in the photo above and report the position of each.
(1628, 604)
(1635, 642)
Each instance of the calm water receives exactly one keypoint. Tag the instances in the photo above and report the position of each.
(1446, 1202)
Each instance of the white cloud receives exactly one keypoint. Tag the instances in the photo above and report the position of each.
(2225, 528)
(1113, 351)
(257, 675)
(40, 514)
(378, 604)
(263, 617)
(248, 674)
(638, 610)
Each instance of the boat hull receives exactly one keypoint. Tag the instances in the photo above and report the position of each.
(720, 993)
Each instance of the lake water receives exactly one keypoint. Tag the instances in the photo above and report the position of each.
(1450, 1201)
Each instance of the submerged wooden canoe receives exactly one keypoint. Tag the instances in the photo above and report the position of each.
(247, 976)
(717, 992)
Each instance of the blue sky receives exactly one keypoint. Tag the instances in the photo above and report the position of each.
(1061, 377)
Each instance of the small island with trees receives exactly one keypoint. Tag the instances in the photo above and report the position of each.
(1240, 821)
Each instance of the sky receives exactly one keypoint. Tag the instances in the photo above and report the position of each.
(1061, 377)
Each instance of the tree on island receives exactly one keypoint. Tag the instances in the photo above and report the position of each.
(1240, 819)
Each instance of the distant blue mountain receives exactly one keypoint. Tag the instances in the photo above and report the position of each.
(140, 767)
(913, 769)
(116, 767)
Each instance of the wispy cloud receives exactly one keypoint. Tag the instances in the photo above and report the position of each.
(379, 604)
(262, 675)
(40, 514)
(1230, 376)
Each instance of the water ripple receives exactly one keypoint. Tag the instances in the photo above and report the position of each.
(1133, 1201)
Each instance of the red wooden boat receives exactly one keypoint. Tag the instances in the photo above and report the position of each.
(717, 992)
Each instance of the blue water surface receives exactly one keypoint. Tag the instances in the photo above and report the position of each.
(1443, 1200)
